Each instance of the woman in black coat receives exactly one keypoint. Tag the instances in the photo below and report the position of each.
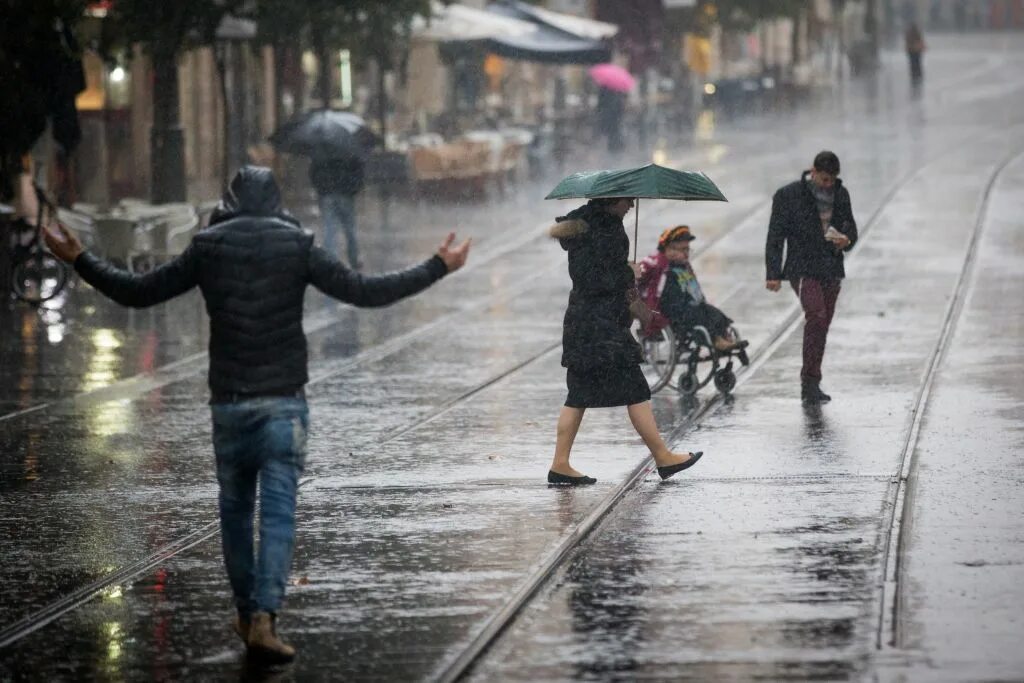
(601, 357)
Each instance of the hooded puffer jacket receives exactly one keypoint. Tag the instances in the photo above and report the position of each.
(595, 331)
(252, 265)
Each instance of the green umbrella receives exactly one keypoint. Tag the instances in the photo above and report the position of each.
(650, 182)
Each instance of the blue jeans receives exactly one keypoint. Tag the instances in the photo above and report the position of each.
(338, 212)
(260, 440)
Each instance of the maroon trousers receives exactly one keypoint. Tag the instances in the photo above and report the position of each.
(818, 299)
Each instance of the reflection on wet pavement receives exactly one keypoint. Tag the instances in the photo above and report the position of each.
(764, 588)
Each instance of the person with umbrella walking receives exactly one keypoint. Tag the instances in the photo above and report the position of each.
(253, 265)
(337, 143)
(614, 82)
(601, 357)
(337, 180)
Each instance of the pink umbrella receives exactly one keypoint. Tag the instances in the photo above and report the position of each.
(613, 77)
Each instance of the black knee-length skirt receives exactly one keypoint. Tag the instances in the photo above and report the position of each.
(606, 387)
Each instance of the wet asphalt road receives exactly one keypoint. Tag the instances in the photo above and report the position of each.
(424, 508)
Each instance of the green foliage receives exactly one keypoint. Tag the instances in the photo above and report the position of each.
(166, 27)
(370, 28)
(743, 15)
(28, 30)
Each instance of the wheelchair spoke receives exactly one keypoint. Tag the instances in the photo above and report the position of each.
(659, 351)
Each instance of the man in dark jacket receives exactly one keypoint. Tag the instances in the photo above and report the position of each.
(813, 219)
(252, 266)
(337, 181)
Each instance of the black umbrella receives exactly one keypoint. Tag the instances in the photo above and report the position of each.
(325, 133)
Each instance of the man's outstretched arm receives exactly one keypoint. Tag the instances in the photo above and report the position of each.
(333, 278)
(128, 289)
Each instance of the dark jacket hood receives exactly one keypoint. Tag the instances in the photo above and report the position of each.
(252, 192)
(806, 178)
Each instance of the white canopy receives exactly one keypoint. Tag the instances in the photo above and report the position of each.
(457, 22)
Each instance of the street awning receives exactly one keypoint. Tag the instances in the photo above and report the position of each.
(460, 23)
(579, 27)
(549, 46)
(506, 32)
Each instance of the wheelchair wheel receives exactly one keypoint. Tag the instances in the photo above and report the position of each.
(700, 358)
(725, 380)
(659, 358)
(38, 277)
(688, 384)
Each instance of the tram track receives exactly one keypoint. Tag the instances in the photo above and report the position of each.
(900, 501)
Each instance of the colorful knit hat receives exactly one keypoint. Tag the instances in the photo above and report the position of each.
(680, 232)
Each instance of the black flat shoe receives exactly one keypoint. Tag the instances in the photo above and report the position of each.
(669, 470)
(565, 480)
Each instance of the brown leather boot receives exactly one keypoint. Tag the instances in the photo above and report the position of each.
(264, 643)
(241, 627)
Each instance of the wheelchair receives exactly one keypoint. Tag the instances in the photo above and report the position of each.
(693, 351)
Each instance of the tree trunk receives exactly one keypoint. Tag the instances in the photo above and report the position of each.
(871, 29)
(220, 58)
(794, 43)
(764, 45)
(280, 115)
(167, 139)
(323, 81)
(382, 103)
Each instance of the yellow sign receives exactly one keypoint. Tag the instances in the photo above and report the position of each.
(698, 54)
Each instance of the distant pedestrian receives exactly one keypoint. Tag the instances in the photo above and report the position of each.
(337, 180)
(252, 266)
(915, 53)
(601, 357)
(611, 106)
(813, 219)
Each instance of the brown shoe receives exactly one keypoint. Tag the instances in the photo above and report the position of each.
(723, 344)
(241, 628)
(263, 641)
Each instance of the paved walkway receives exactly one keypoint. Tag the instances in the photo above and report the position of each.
(425, 510)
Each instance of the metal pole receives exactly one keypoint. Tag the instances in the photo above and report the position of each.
(636, 226)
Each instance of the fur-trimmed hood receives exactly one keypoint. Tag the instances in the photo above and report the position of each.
(576, 223)
(567, 229)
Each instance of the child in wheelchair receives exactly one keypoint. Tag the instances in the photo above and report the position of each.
(669, 288)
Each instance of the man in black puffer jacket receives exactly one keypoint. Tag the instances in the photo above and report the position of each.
(813, 219)
(252, 266)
